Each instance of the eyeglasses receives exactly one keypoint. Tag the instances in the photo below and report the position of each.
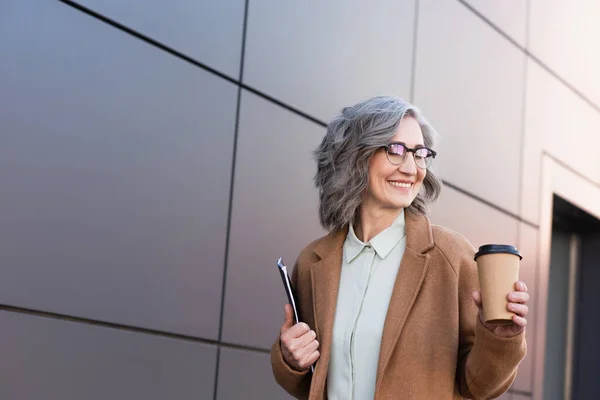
(396, 154)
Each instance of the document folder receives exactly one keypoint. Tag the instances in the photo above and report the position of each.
(289, 291)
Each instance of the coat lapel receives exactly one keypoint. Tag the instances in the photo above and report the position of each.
(325, 277)
(411, 274)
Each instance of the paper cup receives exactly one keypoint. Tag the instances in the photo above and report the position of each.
(498, 269)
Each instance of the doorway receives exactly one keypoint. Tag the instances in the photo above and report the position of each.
(572, 325)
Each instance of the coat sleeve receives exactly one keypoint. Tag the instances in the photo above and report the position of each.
(296, 383)
(487, 364)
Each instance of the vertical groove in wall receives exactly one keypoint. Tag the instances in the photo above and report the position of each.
(233, 164)
(413, 69)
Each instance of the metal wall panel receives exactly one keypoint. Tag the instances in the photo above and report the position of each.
(115, 162)
(472, 100)
(208, 31)
(320, 56)
(247, 375)
(274, 214)
(44, 358)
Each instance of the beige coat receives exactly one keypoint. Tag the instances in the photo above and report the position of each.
(433, 346)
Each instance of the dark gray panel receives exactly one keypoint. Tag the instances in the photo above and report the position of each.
(480, 223)
(115, 162)
(474, 101)
(587, 355)
(208, 31)
(274, 214)
(50, 359)
(320, 56)
(247, 375)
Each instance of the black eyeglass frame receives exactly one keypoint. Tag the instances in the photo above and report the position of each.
(432, 153)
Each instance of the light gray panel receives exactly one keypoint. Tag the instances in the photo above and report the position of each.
(516, 396)
(480, 223)
(115, 163)
(510, 16)
(560, 123)
(274, 214)
(50, 359)
(320, 56)
(247, 375)
(565, 36)
(208, 31)
(474, 101)
(528, 238)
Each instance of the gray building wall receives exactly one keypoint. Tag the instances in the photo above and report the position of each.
(155, 161)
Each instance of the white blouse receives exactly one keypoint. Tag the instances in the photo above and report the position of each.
(366, 283)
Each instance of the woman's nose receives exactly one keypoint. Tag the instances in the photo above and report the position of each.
(409, 166)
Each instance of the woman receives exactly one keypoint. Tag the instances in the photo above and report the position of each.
(389, 302)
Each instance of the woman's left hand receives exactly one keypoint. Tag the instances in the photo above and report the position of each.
(517, 303)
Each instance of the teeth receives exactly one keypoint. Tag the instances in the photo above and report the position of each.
(402, 185)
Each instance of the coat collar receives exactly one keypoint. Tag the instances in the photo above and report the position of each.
(325, 277)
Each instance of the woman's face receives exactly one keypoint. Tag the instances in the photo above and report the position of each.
(396, 186)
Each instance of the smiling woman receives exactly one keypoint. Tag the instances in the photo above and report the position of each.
(390, 302)
(344, 156)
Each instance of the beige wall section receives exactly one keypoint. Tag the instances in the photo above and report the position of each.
(560, 123)
(480, 223)
(565, 35)
(472, 100)
(510, 16)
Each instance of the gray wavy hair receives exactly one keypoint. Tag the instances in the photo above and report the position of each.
(343, 158)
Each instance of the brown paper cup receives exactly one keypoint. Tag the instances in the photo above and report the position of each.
(498, 269)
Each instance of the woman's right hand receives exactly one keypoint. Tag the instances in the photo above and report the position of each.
(298, 344)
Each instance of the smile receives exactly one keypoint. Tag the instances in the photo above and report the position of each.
(400, 184)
